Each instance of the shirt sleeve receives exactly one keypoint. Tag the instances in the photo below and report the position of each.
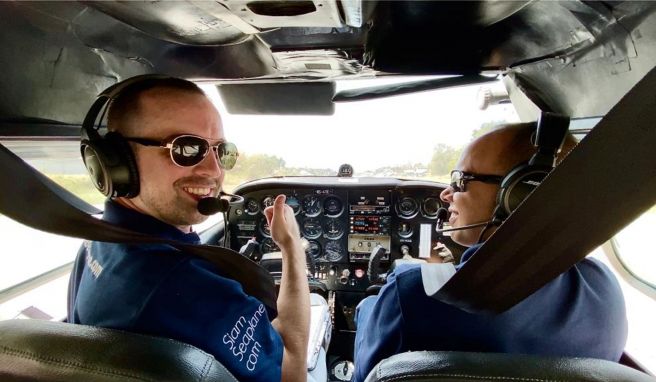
(380, 335)
(197, 306)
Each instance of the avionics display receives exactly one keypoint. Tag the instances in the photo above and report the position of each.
(369, 225)
(369, 205)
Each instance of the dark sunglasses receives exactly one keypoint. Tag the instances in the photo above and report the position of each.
(459, 179)
(190, 150)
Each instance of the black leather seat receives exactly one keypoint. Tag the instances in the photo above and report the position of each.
(32, 350)
(459, 366)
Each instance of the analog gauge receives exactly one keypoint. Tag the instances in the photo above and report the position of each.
(334, 251)
(430, 207)
(264, 228)
(333, 229)
(268, 246)
(251, 206)
(293, 202)
(267, 201)
(311, 206)
(332, 206)
(314, 249)
(405, 230)
(407, 207)
(312, 228)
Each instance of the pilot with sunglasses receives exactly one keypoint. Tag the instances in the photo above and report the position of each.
(176, 137)
(581, 313)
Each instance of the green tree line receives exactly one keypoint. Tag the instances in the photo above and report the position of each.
(255, 166)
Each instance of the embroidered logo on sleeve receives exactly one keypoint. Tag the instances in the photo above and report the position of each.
(93, 264)
(241, 342)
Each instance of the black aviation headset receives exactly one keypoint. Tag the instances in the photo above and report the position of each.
(548, 139)
(521, 180)
(109, 158)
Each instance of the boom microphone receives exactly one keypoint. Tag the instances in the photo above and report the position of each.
(211, 205)
(442, 215)
(470, 226)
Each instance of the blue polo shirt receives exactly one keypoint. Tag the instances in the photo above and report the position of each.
(155, 289)
(581, 313)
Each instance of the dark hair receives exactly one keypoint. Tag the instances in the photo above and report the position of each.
(126, 105)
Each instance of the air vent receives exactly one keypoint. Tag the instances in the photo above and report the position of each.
(281, 8)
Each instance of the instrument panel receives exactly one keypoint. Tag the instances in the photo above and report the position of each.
(343, 223)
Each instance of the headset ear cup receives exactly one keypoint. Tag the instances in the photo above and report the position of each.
(111, 165)
(96, 164)
(109, 160)
(125, 175)
(517, 186)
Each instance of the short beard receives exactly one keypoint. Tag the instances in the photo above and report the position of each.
(174, 211)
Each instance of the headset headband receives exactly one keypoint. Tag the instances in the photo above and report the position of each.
(109, 159)
(105, 98)
(548, 141)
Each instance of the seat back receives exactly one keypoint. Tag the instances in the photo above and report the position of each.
(33, 350)
(460, 366)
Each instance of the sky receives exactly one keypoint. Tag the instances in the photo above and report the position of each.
(366, 134)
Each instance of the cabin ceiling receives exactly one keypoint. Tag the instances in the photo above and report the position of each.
(56, 56)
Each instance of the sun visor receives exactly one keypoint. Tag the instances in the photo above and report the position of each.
(313, 98)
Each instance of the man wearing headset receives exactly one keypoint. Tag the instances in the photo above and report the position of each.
(181, 155)
(581, 313)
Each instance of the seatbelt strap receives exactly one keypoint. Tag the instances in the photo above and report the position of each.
(606, 182)
(34, 200)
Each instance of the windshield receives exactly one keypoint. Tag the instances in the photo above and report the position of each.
(415, 136)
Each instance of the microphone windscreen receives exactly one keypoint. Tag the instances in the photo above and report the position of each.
(210, 206)
(442, 214)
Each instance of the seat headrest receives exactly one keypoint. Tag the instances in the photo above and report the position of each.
(461, 366)
(34, 350)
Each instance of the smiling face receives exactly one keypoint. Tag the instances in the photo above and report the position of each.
(494, 153)
(168, 192)
(476, 204)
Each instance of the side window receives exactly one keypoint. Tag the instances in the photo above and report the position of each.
(634, 252)
(35, 265)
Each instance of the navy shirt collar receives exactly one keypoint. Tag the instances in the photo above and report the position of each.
(136, 221)
(468, 254)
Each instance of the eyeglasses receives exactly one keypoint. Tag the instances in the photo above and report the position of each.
(459, 179)
(190, 150)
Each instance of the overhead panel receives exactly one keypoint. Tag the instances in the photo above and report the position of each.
(275, 14)
(188, 22)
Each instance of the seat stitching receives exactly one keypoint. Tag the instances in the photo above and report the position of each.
(205, 370)
(395, 378)
(51, 360)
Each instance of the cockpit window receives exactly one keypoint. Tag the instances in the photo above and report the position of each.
(630, 247)
(38, 261)
(35, 268)
(414, 136)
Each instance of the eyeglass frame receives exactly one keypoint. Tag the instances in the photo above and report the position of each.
(470, 176)
(167, 143)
